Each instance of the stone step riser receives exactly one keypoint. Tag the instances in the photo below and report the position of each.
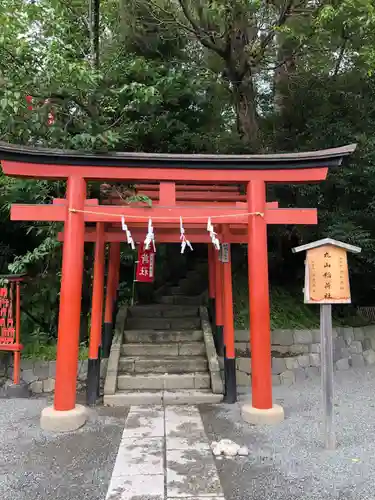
(162, 350)
(187, 397)
(163, 382)
(163, 324)
(160, 311)
(163, 365)
(180, 300)
(135, 337)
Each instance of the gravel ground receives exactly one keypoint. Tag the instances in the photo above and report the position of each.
(37, 465)
(288, 461)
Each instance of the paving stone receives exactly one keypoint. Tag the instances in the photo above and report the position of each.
(144, 422)
(345, 353)
(243, 365)
(149, 350)
(148, 487)
(28, 376)
(283, 337)
(357, 361)
(49, 385)
(140, 381)
(187, 443)
(287, 377)
(291, 363)
(192, 473)
(369, 357)
(139, 456)
(304, 360)
(314, 359)
(302, 337)
(355, 347)
(278, 365)
(276, 380)
(36, 387)
(369, 331)
(184, 422)
(342, 364)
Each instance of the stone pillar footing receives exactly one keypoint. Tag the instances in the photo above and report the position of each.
(256, 416)
(63, 421)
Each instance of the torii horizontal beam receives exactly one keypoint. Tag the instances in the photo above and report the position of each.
(160, 216)
(136, 174)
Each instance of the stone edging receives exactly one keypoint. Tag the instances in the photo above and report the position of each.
(110, 384)
(296, 353)
(213, 362)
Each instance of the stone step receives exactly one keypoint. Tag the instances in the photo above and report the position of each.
(163, 323)
(162, 337)
(161, 350)
(187, 300)
(158, 381)
(182, 397)
(172, 364)
(163, 311)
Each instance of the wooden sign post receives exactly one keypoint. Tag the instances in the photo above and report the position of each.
(327, 283)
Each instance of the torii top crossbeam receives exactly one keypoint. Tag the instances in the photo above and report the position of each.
(59, 164)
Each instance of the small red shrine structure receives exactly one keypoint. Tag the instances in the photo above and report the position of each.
(195, 188)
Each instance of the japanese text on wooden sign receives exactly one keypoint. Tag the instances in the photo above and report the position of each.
(7, 330)
(224, 253)
(327, 276)
(145, 271)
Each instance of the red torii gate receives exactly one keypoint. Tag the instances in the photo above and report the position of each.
(182, 186)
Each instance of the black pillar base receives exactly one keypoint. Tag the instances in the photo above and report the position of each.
(99, 367)
(230, 395)
(211, 310)
(93, 377)
(219, 331)
(107, 339)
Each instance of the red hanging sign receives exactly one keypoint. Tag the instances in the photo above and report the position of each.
(7, 330)
(146, 265)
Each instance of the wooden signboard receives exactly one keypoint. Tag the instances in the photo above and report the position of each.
(327, 276)
(327, 283)
(224, 253)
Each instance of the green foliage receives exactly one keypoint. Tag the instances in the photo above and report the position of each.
(231, 77)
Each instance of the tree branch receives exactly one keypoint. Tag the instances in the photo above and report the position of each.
(205, 38)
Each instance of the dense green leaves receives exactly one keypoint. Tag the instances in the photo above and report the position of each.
(191, 76)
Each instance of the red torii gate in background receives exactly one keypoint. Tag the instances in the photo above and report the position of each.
(194, 187)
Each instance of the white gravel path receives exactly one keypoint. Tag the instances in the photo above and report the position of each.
(288, 461)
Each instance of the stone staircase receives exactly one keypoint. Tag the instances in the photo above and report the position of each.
(163, 357)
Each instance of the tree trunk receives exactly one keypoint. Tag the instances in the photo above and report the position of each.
(247, 116)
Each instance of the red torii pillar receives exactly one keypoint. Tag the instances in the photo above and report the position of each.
(65, 415)
(261, 409)
(93, 369)
(219, 320)
(110, 298)
(229, 345)
(211, 286)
